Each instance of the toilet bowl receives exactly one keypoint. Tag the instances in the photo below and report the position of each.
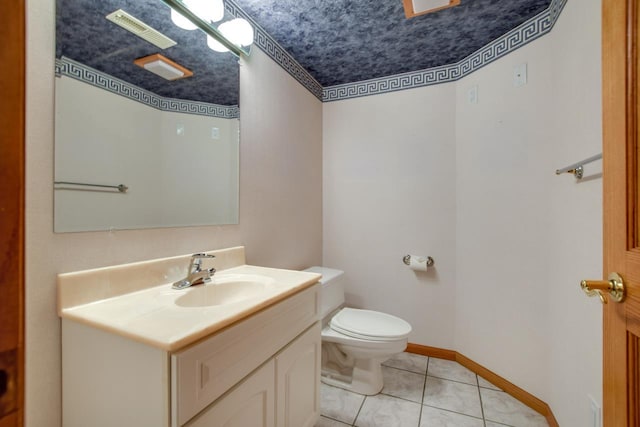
(355, 342)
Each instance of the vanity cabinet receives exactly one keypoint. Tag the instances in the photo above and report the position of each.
(251, 403)
(291, 400)
(263, 370)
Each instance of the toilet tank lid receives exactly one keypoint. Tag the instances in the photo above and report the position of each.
(327, 273)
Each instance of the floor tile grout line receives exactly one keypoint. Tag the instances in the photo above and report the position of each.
(398, 397)
(359, 410)
(453, 412)
(455, 381)
(484, 420)
(333, 419)
(424, 387)
(430, 406)
(405, 370)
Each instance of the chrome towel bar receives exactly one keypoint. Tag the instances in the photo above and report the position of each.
(577, 168)
(121, 187)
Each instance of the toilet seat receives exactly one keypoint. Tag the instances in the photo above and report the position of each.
(369, 325)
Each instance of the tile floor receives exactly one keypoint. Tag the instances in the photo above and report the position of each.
(426, 392)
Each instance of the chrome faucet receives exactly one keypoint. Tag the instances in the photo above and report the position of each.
(196, 275)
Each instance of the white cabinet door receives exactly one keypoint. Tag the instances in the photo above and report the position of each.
(298, 381)
(249, 404)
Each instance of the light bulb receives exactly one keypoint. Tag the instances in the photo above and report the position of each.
(181, 21)
(216, 45)
(238, 31)
(207, 10)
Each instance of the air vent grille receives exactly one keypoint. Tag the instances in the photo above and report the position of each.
(140, 29)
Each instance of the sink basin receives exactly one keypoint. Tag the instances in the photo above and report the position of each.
(227, 289)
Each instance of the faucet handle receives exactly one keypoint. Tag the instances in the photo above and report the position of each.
(202, 255)
(196, 261)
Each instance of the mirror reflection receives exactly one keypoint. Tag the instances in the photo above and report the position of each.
(146, 105)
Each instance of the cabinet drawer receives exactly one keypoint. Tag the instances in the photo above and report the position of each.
(202, 373)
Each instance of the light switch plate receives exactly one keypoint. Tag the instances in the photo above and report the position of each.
(472, 94)
(520, 75)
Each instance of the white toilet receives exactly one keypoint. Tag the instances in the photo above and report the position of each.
(355, 342)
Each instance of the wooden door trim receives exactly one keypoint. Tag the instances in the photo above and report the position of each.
(615, 235)
(12, 177)
(508, 387)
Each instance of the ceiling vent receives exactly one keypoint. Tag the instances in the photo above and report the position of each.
(420, 7)
(140, 29)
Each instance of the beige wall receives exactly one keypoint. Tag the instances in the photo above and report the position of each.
(424, 170)
(526, 237)
(505, 162)
(389, 190)
(576, 245)
(280, 201)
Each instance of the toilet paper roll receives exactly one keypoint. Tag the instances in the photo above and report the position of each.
(419, 263)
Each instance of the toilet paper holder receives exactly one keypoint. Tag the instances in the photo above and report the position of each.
(407, 260)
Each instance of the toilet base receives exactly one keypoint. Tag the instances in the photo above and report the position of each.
(366, 377)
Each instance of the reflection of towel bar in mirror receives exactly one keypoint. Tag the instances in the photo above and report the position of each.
(577, 168)
(120, 187)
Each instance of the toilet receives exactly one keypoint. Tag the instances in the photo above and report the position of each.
(355, 342)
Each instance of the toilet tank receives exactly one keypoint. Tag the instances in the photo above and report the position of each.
(331, 289)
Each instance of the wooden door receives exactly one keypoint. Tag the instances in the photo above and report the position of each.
(621, 178)
(12, 106)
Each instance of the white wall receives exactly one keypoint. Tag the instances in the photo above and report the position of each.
(277, 194)
(505, 169)
(526, 237)
(389, 190)
(576, 229)
(513, 243)
(174, 178)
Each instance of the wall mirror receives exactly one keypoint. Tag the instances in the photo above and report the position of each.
(138, 143)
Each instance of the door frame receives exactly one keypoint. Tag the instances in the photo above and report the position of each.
(620, 190)
(12, 202)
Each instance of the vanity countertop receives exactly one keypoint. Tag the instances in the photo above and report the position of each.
(153, 315)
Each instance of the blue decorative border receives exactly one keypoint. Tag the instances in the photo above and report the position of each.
(76, 70)
(268, 45)
(527, 32)
(530, 30)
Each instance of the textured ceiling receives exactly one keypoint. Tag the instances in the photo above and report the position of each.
(84, 35)
(345, 41)
(337, 41)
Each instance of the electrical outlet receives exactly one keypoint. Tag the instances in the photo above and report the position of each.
(596, 412)
(215, 133)
(180, 130)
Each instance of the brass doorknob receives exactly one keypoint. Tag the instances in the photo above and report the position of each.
(615, 287)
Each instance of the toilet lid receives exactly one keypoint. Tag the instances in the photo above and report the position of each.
(371, 325)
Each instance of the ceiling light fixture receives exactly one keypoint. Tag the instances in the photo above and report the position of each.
(216, 45)
(207, 10)
(420, 7)
(238, 31)
(235, 35)
(163, 67)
